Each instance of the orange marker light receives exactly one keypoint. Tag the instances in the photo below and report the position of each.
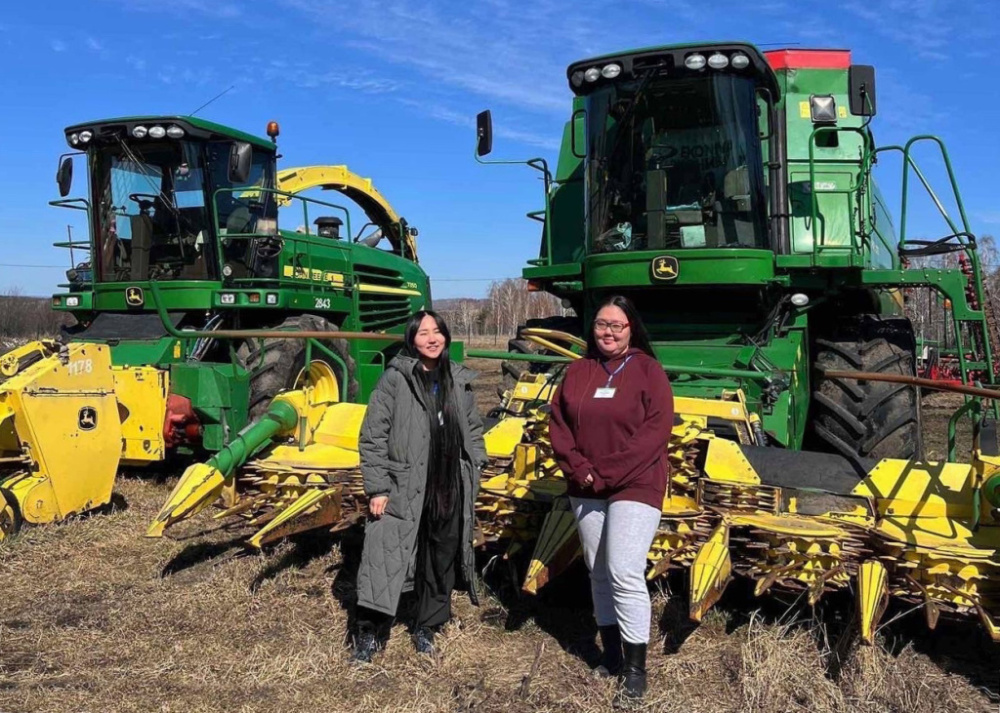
(947, 304)
(273, 129)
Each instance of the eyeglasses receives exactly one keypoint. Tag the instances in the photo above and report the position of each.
(616, 327)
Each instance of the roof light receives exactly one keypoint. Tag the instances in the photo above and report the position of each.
(139, 132)
(74, 139)
(175, 132)
(592, 74)
(740, 61)
(157, 132)
(86, 136)
(273, 129)
(823, 109)
(695, 61)
(718, 61)
(611, 71)
(576, 79)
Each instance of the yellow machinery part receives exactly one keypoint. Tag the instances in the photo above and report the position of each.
(62, 413)
(141, 392)
(343, 180)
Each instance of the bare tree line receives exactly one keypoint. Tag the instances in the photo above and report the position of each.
(507, 305)
(25, 318)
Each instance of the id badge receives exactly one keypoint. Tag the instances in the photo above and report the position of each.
(606, 392)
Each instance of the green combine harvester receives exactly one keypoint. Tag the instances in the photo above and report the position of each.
(729, 194)
(183, 302)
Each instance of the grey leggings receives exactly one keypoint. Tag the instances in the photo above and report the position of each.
(616, 538)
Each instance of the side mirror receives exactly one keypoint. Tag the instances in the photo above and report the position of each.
(64, 176)
(861, 83)
(240, 157)
(484, 131)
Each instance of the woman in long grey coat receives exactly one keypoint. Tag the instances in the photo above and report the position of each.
(421, 453)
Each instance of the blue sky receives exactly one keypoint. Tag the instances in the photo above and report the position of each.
(392, 89)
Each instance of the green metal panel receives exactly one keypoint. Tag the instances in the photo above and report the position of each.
(696, 267)
(220, 395)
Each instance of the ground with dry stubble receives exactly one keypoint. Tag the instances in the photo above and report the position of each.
(96, 618)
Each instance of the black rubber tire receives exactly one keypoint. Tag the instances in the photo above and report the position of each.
(275, 364)
(866, 419)
(512, 370)
(10, 516)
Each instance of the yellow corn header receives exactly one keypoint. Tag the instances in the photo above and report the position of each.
(924, 533)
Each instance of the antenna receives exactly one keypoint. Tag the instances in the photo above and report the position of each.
(217, 96)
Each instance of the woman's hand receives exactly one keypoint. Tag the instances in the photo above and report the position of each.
(376, 506)
(589, 480)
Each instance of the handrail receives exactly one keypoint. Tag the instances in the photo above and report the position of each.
(855, 187)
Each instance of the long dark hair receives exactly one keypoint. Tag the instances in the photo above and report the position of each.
(445, 455)
(640, 337)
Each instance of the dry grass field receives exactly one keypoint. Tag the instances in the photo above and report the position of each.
(96, 618)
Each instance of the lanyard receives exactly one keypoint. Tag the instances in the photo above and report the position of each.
(613, 374)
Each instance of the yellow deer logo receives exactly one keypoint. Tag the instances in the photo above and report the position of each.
(134, 296)
(87, 418)
(665, 268)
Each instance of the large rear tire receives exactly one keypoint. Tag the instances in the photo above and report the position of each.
(274, 364)
(512, 370)
(866, 419)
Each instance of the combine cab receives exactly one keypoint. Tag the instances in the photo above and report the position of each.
(194, 310)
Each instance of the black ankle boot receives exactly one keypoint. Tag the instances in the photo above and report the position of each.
(366, 645)
(611, 656)
(423, 640)
(634, 671)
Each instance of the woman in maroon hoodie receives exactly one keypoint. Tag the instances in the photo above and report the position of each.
(610, 424)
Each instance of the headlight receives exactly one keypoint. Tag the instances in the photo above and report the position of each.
(576, 78)
(139, 132)
(611, 71)
(227, 298)
(157, 132)
(74, 139)
(272, 298)
(86, 136)
(695, 61)
(175, 132)
(718, 61)
(72, 301)
(592, 74)
(740, 61)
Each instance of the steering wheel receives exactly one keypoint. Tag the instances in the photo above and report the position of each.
(145, 200)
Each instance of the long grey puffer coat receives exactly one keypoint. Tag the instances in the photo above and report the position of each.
(395, 447)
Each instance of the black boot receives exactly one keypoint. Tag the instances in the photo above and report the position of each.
(634, 671)
(611, 656)
(423, 640)
(366, 644)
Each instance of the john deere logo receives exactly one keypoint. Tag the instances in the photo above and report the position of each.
(665, 268)
(87, 418)
(134, 297)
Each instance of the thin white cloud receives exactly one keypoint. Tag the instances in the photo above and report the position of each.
(57, 46)
(94, 44)
(989, 217)
(136, 63)
(222, 10)
(468, 121)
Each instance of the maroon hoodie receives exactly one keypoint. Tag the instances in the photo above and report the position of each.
(621, 441)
